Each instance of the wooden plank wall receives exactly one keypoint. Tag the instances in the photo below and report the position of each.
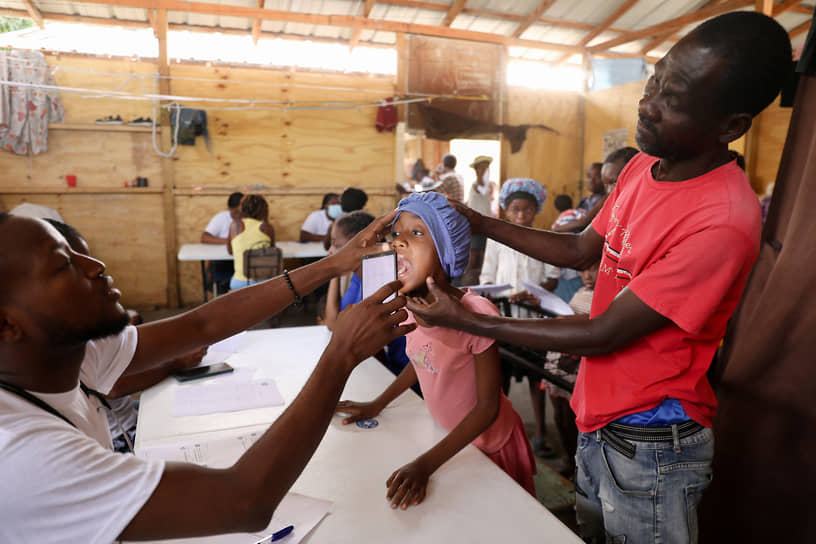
(552, 159)
(292, 158)
(616, 107)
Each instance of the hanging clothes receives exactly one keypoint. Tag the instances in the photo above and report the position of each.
(26, 111)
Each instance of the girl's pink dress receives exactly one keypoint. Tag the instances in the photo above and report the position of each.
(445, 365)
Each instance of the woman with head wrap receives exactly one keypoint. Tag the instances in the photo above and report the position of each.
(458, 372)
(521, 199)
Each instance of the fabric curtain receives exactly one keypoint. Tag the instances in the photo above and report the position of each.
(765, 444)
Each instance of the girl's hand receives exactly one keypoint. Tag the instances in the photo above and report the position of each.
(357, 410)
(407, 485)
(526, 297)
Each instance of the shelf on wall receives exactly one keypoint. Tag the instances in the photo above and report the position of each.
(100, 128)
(80, 190)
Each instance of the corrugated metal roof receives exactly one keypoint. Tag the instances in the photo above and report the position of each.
(498, 17)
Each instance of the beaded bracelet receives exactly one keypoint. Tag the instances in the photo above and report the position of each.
(298, 298)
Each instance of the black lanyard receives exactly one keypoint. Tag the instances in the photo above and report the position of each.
(36, 401)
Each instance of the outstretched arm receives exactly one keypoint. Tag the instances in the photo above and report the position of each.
(408, 484)
(627, 319)
(243, 497)
(576, 251)
(236, 311)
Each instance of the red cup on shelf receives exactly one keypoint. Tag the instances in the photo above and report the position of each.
(70, 179)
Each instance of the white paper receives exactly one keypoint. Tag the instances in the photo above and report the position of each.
(378, 271)
(547, 300)
(299, 510)
(197, 399)
(490, 289)
(233, 344)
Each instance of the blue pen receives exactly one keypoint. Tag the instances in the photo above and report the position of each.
(275, 537)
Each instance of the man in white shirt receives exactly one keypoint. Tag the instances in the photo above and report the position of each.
(217, 230)
(317, 223)
(61, 322)
(219, 273)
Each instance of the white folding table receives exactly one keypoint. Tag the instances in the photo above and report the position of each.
(218, 252)
(469, 500)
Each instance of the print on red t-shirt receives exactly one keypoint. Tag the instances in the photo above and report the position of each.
(685, 249)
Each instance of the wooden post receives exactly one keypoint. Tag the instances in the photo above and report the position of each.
(168, 200)
(752, 137)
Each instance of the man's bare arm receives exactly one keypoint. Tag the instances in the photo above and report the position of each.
(627, 319)
(244, 497)
(577, 251)
(236, 311)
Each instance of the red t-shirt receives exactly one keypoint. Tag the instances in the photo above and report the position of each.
(686, 250)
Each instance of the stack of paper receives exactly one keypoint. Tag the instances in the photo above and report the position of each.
(548, 301)
(489, 290)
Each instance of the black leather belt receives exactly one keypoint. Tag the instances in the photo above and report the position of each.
(617, 435)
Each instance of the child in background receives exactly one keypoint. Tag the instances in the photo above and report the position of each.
(521, 199)
(459, 372)
(566, 366)
(251, 231)
(345, 228)
(569, 282)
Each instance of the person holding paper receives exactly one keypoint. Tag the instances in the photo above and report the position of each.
(522, 199)
(677, 239)
(61, 323)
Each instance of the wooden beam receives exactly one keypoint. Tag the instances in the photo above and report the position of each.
(533, 17)
(801, 29)
(455, 9)
(168, 177)
(338, 20)
(355, 35)
(803, 9)
(151, 16)
(256, 24)
(785, 6)
(605, 24)
(673, 24)
(764, 6)
(34, 12)
(666, 35)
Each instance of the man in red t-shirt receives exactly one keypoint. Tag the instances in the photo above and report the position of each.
(676, 239)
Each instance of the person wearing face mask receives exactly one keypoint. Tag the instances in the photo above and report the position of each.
(317, 223)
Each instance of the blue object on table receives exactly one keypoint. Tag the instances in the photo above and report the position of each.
(368, 423)
(275, 537)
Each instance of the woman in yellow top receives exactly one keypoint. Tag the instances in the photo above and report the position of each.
(252, 230)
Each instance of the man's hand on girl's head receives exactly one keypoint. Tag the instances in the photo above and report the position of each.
(473, 217)
(444, 311)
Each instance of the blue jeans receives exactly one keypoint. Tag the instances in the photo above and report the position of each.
(652, 497)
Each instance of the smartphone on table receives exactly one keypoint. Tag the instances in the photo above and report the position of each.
(378, 270)
(199, 372)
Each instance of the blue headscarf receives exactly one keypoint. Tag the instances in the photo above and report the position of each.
(449, 229)
(522, 185)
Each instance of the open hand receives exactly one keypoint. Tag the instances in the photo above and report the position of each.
(408, 485)
(362, 329)
(369, 240)
(357, 410)
(445, 311)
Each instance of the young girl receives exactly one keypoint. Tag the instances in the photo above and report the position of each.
(521, 199)
(250, 231)
(345, 228)
(458, 372)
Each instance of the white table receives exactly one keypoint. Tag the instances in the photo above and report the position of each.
(218, 252)
(470, 499)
